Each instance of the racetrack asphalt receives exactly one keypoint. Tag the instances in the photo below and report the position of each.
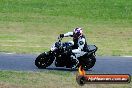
(104, 64)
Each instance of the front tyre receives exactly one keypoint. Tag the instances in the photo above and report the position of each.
(44, 60)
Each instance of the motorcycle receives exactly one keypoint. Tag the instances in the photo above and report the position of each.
(60, 52)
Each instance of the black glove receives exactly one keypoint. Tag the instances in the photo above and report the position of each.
(61, 35)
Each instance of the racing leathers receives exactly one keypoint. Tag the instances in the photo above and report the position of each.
(79, 47)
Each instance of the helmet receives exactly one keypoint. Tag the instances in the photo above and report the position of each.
(77, 33)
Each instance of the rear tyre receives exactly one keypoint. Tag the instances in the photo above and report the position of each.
(89, 62)
(44, 60)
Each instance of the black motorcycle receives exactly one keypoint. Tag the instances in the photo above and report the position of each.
(61, 53)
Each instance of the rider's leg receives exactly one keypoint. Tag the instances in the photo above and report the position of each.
(76, 53)
(75, 61)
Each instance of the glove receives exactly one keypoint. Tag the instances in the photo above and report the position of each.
(61, 35)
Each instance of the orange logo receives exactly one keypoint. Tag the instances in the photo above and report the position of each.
(83, 78)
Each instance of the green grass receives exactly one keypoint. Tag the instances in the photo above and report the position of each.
(47, 79)
(31, 26)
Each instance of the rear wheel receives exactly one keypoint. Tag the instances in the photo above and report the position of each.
(88, 62)
(44, 60)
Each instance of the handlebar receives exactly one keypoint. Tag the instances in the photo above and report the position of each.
(58, 44)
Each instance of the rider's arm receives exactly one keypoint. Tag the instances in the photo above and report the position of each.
(66, 35)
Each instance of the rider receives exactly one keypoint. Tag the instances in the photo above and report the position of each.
(80, 44)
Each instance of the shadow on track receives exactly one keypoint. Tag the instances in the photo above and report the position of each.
(63, 69)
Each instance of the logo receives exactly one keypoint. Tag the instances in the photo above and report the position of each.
(83, 78)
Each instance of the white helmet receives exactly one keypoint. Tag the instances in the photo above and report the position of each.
(77, 32)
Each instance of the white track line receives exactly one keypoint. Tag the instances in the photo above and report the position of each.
(125, 56)
(6, 53)
(39, 53)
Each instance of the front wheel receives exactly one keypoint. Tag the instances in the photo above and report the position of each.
(44, 60)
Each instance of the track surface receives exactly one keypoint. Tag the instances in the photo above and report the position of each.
(105, 64)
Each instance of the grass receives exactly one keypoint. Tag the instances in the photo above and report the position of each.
(31, 26)
(47, 79)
